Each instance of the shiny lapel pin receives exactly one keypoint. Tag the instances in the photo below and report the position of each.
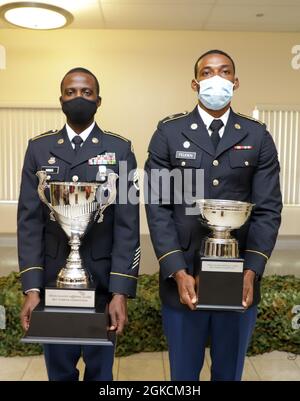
(186, 144)
(60, 141)
(194, 126)
(95, 140)
(52, 160)
(237, 126)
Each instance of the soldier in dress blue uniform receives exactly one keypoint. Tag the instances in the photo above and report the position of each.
(110, 250)
(240, 162)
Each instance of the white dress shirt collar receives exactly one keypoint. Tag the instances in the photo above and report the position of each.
(84, 134)
(208, 119)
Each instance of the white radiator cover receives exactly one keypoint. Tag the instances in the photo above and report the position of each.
(17, 125)
(283, 122)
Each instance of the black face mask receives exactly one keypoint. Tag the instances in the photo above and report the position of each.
(79, 110)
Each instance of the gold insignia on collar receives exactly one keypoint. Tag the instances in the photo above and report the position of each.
(95, 140)
(60, 141)
(237, 126)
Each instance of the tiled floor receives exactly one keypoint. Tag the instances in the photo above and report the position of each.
(153, 366)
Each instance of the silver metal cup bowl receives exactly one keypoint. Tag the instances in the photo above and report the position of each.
(221, 214)
(75, 206)
(72, 193)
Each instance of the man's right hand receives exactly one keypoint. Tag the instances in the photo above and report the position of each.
(32, 299)
(186, 288)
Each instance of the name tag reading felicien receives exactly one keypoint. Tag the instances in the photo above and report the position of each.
(185, 155)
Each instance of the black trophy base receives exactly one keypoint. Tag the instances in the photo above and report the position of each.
(51, 325)
(219, 283)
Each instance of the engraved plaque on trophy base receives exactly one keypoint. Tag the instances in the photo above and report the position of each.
(58, 325)
(219, 283)
(70, 297)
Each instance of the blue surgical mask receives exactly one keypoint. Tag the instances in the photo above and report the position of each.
(215, 93)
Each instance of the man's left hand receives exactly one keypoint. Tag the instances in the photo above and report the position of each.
(249, 276)
(118, 313)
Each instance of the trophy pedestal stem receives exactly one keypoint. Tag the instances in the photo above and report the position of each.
(221, 234)
(73, 274)
(220, 248)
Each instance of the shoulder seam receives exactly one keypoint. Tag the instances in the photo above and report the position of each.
(251, 118)
(48, 133)
(116, 135)
(175, 117)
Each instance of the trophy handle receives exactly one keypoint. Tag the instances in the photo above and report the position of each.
(42, 176)
(109, 186)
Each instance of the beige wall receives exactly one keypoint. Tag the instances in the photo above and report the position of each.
(144, 76)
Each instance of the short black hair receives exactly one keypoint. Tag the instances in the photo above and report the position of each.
(85, 71)
(215, 51)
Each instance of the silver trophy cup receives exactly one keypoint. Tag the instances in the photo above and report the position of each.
(218, 266)
(221, 217)
(71, 311)
(75, 205)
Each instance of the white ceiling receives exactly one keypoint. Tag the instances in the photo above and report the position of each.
(220, 15)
